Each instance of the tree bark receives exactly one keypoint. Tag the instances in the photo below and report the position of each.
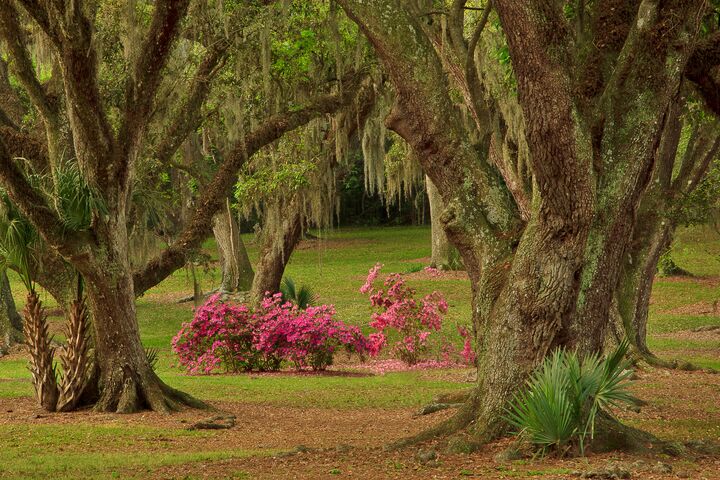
(127, 381)
(237, 272)
(281, 233)
(591, 155)
(10, 320)
(440, 245)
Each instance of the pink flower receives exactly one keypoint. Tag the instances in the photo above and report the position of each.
(372, 275)
(432, 271)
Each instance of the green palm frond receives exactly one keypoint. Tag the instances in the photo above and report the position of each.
(303, 298)
(543, 412)
(564, 396)
(18, 240)
(75, 201)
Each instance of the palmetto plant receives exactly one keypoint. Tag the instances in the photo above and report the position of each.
(17, 242)
(76, 204)
(302, 297)
(563, 398)
(75, 357)
(41, 352)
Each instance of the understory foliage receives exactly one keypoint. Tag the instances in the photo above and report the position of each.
(303, 296)
(562, 400)
(239, 338)
(400, 315)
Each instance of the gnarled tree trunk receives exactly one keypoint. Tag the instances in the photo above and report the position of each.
(441, 248)
(591, 150)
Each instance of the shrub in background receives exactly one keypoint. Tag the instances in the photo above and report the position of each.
(221, 336)
(237, 338)
(399, 311)
(558, 408)
(307, 338)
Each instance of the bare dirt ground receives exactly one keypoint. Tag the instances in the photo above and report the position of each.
(312, 443)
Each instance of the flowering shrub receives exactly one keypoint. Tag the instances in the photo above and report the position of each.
(222, 335)
(236, 338)
(398, 310)
(307, 338)
(467, 353)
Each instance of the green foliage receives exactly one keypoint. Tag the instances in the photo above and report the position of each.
(294, 57)
(702, 205)
(303, 297)
(75, 200)
(17, 240)
(667, 267)
(564, 396)
(267, 180)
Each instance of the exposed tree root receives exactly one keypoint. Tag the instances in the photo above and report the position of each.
(464, 417)
(139, 391)
(657, 362)
(437, 407)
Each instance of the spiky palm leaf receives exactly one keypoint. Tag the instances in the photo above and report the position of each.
(303, 298)
(543, 412)
(75, 357)
(75, 201)
(38, 342)
(565, 395)
(18, 239)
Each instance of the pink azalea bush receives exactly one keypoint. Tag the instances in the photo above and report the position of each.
(221, 335)
(307, 338)
(397, 310)
(237, 338)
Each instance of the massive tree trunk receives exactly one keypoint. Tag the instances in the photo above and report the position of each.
(441, 248)
(282, 231)
(237, 272)
(127, 381)
(10, 320)
(591, 153)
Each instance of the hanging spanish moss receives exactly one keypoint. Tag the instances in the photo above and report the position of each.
(373, 149)
(403, 174)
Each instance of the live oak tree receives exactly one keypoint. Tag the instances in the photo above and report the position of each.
(681, 192)
(542, 171)
(106, 138)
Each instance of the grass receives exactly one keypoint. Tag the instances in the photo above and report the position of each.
(334, 267)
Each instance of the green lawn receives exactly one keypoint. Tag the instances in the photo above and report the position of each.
(335, 267)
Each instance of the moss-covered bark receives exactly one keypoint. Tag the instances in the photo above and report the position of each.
(548, 282)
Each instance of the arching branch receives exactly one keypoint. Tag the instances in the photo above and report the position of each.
(188, 116)
(20, 64)
(142, 85)
(214, 194)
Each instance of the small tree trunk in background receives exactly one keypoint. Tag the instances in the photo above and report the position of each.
(237, 272)
(281, 235)
(637, 278)
(440, 245)
(10, 322)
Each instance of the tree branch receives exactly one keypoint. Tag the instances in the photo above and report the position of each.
(699, 70)
(32, 204)
(213, 195)
(20, 63)
(142, 85)
(188, 115)
(23, 145)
